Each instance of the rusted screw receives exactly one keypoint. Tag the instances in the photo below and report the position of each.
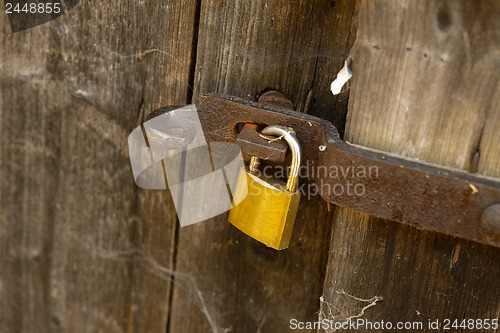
(490, 222)
(275, 98)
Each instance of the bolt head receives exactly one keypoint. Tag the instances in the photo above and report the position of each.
(490, 222)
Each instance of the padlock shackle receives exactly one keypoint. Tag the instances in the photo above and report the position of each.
(288, 135)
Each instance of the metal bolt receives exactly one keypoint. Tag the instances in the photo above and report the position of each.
(490, 222)
(277, 99)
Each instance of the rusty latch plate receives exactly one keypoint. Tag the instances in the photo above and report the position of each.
(253, 145)
(425, 196)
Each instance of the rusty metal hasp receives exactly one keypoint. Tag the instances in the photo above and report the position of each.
(428, 197)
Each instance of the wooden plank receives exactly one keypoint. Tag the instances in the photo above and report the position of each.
(425, 85)
(335, 49)
(226, 281)
(83, 250)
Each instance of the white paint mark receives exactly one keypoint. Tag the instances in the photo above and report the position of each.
(342, 77)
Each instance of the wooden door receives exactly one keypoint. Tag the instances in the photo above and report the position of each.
(85, 250)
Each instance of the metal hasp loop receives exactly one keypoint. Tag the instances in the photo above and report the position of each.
(288, 135)
(428, 197)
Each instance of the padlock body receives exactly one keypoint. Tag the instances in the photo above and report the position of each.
(267, 212)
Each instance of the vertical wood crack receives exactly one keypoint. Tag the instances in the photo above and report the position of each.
(194, 51)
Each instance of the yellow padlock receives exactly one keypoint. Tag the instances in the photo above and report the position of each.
(267, 207)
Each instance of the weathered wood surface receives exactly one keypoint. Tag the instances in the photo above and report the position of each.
(226, 281)
(81, 248)
(425, 85)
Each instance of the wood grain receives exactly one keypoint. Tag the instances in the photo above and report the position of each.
(83, 250)
(226, 281)
(335, 48)
(425, 85)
